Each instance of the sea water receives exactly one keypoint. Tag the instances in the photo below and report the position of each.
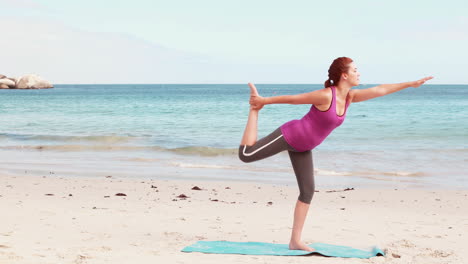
(416, 137)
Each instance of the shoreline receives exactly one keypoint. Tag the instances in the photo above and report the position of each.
(169, 166)
(44, 224)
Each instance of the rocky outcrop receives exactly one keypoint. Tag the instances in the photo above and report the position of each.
(29, 81)
(32, 81)
(9, 83)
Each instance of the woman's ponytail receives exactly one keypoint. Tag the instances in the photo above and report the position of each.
(340, 65)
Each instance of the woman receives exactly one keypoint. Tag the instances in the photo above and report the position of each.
(299, 137)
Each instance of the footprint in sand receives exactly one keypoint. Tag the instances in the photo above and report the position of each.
(435, 253)
(80, 259)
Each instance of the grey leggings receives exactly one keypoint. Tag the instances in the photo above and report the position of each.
(301, 161)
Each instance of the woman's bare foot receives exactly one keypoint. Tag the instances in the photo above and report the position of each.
(253, 90)
(299, 246)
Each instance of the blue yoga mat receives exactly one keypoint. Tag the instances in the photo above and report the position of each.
(259, 248)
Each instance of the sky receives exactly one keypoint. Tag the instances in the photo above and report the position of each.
(208, 41)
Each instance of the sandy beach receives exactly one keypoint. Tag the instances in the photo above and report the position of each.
(50, 219)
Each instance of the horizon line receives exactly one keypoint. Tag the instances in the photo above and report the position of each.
(234, 84)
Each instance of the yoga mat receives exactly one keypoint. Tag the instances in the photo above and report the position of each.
(260, 248)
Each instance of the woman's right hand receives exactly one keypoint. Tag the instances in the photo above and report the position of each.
(256, 101)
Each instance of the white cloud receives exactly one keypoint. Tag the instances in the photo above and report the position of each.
(30, 4)
(65, 55)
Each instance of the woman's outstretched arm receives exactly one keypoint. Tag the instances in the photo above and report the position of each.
(384, 89)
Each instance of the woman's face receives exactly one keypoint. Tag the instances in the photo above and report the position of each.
(352, 76)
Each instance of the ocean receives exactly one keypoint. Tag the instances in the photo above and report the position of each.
(414, 138)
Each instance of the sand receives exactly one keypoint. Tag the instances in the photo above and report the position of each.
(50, 219)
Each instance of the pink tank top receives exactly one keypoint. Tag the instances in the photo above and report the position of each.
(308, 132)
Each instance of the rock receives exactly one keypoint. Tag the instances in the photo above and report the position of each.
(9, 83)
(32, 81)
(4, 86)
(12, 79)
(182, 196)
(2, 76)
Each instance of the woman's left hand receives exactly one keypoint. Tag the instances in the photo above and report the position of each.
(418, 83)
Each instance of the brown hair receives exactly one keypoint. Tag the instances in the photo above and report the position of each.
(340, 65)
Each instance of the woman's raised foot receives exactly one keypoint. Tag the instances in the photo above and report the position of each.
(253, 90)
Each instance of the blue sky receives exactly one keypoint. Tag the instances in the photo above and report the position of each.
(203, 41)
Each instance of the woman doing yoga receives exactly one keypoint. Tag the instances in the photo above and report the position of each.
(299, 137)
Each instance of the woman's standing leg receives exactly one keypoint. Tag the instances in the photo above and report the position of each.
(304, 169)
